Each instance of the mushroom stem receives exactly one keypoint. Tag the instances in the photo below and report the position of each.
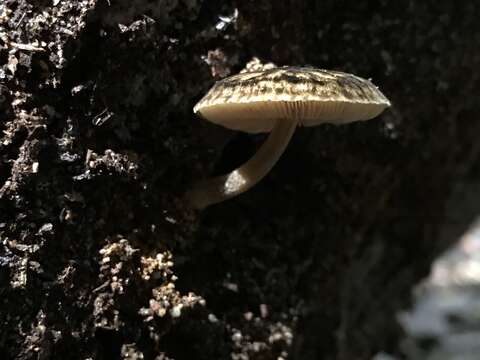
(220, 188)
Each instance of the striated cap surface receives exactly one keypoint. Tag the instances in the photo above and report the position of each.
(253, 101)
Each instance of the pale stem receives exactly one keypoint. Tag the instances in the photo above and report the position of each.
(220, 188)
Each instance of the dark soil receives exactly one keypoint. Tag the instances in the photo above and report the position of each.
(99, 256)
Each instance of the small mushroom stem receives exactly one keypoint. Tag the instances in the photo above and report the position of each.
(224, 187)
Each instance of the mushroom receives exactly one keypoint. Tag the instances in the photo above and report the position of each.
(277, 101)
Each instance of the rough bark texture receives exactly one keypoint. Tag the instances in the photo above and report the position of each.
(100, 259)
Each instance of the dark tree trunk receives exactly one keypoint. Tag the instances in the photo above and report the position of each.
(99, 256)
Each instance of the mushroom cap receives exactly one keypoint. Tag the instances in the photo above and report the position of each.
(254, 101)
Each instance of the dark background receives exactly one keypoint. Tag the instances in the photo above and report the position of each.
(98, 143)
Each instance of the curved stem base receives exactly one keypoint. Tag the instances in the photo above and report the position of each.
(221, 188)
